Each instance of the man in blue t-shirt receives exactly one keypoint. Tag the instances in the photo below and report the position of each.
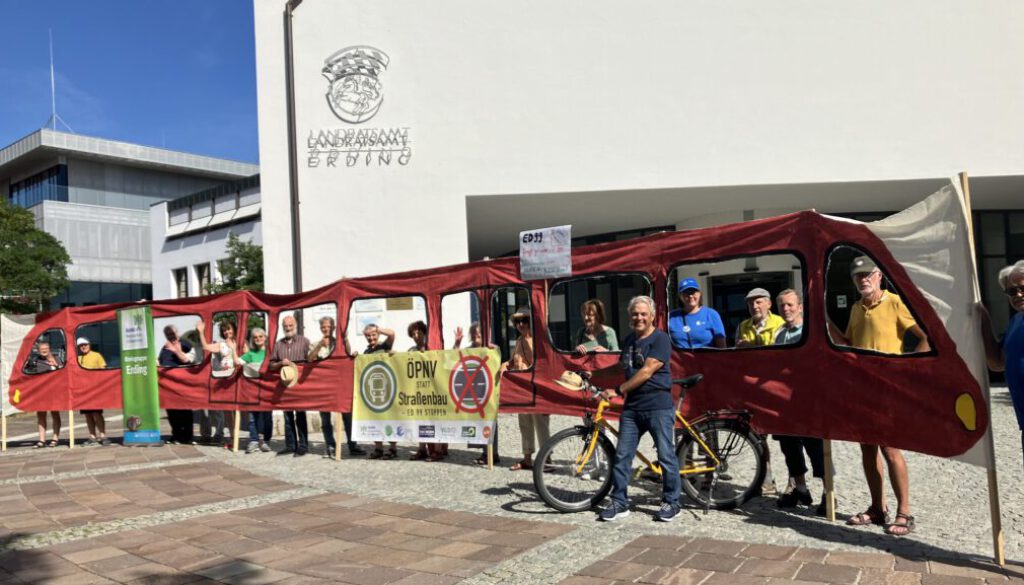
(648, 408)
(693, 325)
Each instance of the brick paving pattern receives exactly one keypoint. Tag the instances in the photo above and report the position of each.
(184, 514)
(42, 506)
(28, 463)
(700, 561)
(333, 538)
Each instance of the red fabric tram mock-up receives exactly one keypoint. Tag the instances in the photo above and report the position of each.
(813, 388)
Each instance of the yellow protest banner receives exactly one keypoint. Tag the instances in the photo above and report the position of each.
(442, 396)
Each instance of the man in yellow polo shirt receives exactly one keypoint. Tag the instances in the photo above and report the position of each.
(761, 327)
(878, 322)
(759, 330)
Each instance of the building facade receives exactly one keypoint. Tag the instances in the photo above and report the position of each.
(190, 235)
(94, 195)
(463, 123)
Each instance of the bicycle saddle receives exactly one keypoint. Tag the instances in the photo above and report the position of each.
(689, 381)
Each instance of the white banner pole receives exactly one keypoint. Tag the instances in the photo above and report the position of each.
(998, 541)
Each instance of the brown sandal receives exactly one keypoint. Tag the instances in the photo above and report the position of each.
(870, 516)
(522, 465)
(898, 528)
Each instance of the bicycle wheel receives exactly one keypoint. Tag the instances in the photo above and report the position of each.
(740, 473)
(564, 480)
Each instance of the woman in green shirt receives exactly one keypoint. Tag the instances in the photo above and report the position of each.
(259, 422)
(595, 335)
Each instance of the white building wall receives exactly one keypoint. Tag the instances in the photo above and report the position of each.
(190, 250)
(596, 96)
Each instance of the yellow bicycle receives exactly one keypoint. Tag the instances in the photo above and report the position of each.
(721, 459)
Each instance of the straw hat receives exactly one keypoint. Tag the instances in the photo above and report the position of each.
(570, 381)
(289, 376)
(521, 313)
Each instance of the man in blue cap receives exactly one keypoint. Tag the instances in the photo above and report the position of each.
(693, 325)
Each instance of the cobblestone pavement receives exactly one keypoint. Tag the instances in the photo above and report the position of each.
(188, 514)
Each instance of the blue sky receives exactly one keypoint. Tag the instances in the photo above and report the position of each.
(179, 74)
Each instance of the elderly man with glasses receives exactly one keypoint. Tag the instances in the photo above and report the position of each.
(878, 322)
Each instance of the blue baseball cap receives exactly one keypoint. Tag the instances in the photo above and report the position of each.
(688, 283)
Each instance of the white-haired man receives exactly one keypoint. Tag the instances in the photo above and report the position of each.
(290, 349)
(648, 408)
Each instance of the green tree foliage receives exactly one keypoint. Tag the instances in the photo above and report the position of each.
(242, 269)
(33, 264)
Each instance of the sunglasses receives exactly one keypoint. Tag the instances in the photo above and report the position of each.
(1014, 291)
(520, 321)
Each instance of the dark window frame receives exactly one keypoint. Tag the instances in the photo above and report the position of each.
(476, 294)
(529, 303)
(32, 352)
(78, 334)
(593, 276)
(271, 343)
(932, 352)
(808, 304)
(158, 333)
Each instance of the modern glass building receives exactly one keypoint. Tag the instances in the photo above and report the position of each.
(94, 196)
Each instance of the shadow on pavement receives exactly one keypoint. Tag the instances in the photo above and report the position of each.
(903, 547)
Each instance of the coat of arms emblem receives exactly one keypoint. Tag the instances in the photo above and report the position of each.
(355, 92)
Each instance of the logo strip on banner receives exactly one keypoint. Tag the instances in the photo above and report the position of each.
(430, 397)
(139, 386)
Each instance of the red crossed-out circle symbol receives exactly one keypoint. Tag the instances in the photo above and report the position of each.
(470, 384)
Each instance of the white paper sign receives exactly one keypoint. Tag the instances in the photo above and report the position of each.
(545, 253)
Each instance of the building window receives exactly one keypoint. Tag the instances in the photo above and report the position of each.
(203, 278)
(180, 282)
(49, 185)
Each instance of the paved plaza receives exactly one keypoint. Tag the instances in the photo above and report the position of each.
(202, 514)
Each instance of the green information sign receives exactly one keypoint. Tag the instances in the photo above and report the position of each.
(139, 388)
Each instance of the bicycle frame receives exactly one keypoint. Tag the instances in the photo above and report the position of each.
(599, 420)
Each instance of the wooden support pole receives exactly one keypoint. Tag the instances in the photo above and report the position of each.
(830, 493)
(71, 429)
(234, 431)
(338, 423)
(490, 456)
(998, 541)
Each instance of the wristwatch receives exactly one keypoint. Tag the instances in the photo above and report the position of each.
(618, 391)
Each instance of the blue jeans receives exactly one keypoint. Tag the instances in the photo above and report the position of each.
(260, 423)
(632, 425)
